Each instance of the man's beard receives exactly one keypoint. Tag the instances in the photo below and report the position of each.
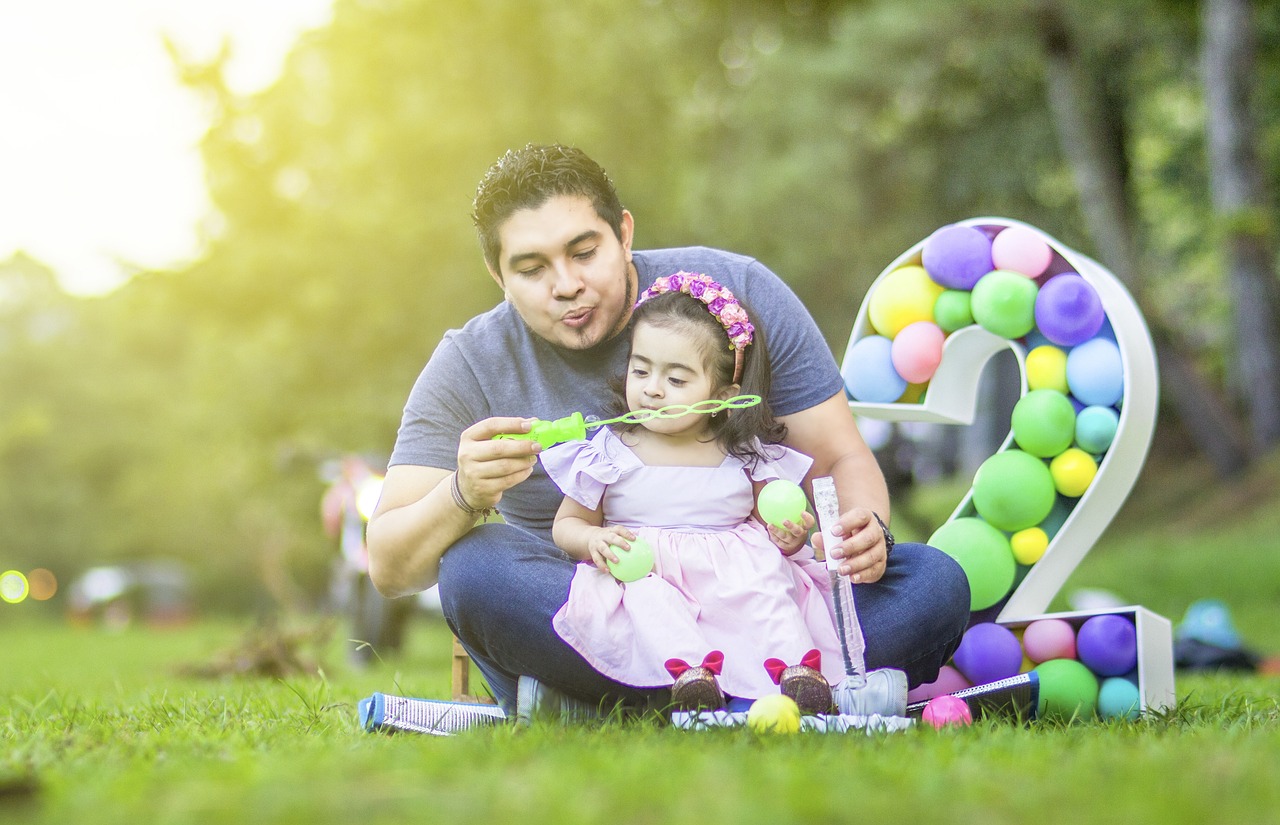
(624, 316)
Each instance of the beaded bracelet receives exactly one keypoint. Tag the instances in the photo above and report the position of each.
(482, 512)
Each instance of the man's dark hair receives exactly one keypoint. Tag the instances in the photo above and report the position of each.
(529, 177)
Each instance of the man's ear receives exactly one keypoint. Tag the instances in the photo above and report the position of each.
(496, 276)
(627, 231)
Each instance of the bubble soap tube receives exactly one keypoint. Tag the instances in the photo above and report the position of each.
(574, 427)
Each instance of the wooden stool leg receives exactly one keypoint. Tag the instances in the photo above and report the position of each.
(461, 672)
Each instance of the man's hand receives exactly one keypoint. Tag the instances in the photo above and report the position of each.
(862, 546)
(488, 467)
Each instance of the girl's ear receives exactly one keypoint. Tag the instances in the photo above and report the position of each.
(729, 392)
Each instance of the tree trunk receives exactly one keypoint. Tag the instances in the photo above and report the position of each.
(1240, 209)
(1090, 127)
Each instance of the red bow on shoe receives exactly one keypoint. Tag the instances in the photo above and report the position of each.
(713, 662)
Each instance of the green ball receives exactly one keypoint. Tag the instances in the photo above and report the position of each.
(632, 564)
(1004, 303)
(983, 552)
(780, 501)
(1013, 490)
(1044, 423)
(952, 310)
(1067, 689)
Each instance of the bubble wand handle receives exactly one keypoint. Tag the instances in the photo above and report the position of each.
(852, 644)
(574, 427)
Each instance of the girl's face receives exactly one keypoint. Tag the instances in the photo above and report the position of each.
(667, 367)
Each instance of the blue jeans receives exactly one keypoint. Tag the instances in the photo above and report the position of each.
(500, 587)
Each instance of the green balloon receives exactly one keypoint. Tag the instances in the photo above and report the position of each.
(780, 501)
(1013, 490)
(952, 310)
(1004, 303)
(1044, 423)
(632, 564)
(983, 552)
(1067, 689)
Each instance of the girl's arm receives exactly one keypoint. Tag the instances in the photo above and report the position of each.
(580, 533)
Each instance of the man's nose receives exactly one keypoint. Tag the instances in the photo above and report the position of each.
(568, 283)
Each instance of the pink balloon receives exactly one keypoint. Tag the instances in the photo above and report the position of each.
(1047, 639)
(1022, 250)
(947, 710)
(917, 351)
(949, 681)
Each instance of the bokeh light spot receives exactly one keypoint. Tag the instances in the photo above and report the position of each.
(13, 586)
(43, 584)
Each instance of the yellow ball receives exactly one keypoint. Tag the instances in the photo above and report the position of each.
(914, 394)
(1073, 472)
(1047, 369)
(902, 297)
(774, 714)
(1029, 544)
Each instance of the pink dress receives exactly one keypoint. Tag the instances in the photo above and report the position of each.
(718, 583)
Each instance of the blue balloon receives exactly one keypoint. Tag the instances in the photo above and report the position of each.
(1118, 698)
(1095, 374)
(1096, 429)
(868, 372)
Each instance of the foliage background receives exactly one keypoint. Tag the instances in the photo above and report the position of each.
(187, 414)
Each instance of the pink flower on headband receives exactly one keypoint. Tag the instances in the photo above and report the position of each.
(717, 298)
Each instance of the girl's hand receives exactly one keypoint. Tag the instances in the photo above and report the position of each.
(599, 545)
(791, 536)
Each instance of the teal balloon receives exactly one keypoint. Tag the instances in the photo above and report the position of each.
(1096, 429)
(1067, 689)
(633, 564)
(952, 311)
(780, 501)
(1118, 698)
(983, 553)
(1044, 423)
(1013, 490)
(1004, 303)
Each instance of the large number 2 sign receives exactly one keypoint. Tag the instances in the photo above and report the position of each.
(1083, 423)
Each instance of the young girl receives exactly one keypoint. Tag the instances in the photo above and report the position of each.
(722, 580)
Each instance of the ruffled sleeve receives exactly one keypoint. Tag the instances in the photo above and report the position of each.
(780, 462)
(583, 469)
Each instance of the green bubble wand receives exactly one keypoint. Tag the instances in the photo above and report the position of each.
(574, 427)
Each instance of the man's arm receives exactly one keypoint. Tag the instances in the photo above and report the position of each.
(829, 434)
(418, 519)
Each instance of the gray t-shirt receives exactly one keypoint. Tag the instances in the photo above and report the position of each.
(494, 366)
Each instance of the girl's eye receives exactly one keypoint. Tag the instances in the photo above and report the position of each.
(638, 373)
(677, 382)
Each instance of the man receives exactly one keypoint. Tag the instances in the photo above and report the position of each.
(558, 242)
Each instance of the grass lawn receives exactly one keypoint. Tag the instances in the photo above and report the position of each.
(104, 727)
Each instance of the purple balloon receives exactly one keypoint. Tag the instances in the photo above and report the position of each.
(1107, 644)
(987, 653)
(957, 256)
(1068, 310)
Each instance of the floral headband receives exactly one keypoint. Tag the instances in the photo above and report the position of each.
(720, 302)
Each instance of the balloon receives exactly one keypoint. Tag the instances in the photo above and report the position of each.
(1046, 639)
(1021, 249)
(983, 553)
(1067, 689)
(1068, 310)
(902, 297)
(917, 351)
(1108, 644)
(1004, 303)
(1096, 428)
(1095, 373)
(781, 500)
(952, 311)
(1073, 471)
(868, 371)
(1047, 369)
(988, 652)
(1044, 423)
(1029, 545)
(957, 256)
(1013, 490)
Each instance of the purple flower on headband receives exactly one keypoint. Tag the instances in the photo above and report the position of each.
(675, 282)
(696, 288)
(736, 329)
(716, 305)
(718, 300)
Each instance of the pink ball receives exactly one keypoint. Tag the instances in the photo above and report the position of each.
(1019, 249)
(1047, 639)
(949, 681)
(947, 710)
(917, 350)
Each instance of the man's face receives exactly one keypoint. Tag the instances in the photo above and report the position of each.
(566, 273)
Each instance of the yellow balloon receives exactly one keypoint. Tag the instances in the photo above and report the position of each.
(1073, 472)
(1029, 544)
(774, 714)
(902, 297)
(1047, 369)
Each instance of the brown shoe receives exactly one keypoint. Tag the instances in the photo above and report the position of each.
(804, 683)
(696, 687)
